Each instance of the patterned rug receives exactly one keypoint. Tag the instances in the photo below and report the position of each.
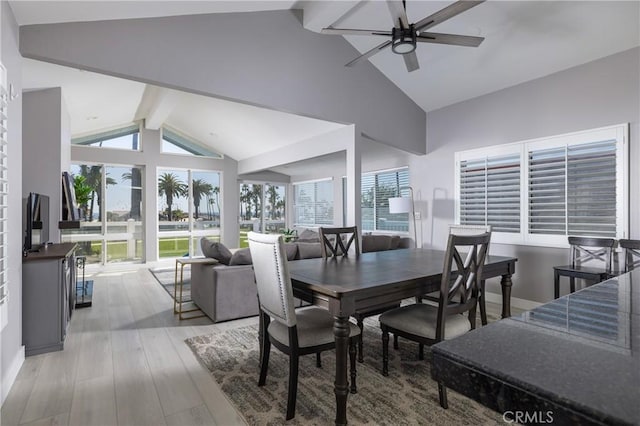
(166, 278)
(407, 397)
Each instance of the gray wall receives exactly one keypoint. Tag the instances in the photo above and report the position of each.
(45, 149)
(11, 349)
(261, 58)
(600, 93)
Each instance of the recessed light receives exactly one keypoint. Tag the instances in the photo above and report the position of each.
(93, 117)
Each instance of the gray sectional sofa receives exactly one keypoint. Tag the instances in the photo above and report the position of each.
(227, 291)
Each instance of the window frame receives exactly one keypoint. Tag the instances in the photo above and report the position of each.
(619, 133)
(108, 134)
(172, 135)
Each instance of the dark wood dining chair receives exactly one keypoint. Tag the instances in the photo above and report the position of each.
(459, 289)
(338, 241)
(582, 250)
(631, 254)
(332, 240)
(294, 332)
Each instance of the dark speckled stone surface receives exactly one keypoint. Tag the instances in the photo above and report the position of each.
(577, 356)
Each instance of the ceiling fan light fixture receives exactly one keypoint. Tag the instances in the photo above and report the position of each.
(403, 40)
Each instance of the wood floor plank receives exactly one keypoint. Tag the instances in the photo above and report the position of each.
(95, 358)
(94, 403)
(196, 416)
(58, 420)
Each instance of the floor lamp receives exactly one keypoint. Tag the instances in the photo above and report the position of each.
(405, 205)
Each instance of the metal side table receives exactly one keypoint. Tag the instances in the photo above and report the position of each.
(181, 263)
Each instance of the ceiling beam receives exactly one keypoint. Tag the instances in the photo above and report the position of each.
(320, 14)
(156, 106)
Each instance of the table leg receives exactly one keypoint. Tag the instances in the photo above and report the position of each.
(181, 287)
(341, 385)
(506, 284)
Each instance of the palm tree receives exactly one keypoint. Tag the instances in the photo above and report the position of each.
(93, 178)
(199, 188)
(170, 186)
(245, 199)
(135, 176)
(216, 191)
(273, 197)
(256, 198)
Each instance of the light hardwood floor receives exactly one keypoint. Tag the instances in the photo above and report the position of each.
(124, 363)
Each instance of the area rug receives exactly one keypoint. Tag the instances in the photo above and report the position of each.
(166, 278)
(408, 396)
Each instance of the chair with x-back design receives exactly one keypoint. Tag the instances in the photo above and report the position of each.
(586, 249)
(631, 254)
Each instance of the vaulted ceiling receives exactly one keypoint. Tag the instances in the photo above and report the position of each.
(524, 40)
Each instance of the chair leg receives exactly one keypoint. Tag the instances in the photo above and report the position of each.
(395, 342)
(385, 352)
(352, 360)
(318, 360)
(572, 283)
(420, 351)
(264, 361)
(360, 345)
(483, 306)
(472, 316)
(442, 393)
(293, 386)
(556, 284)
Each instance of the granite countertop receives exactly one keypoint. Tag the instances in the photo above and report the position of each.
(579, 352)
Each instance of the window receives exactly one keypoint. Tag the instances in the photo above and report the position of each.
(111, 206)
(490, 192)
(540, 191)
(313, 203)
(174, 142)
(376, 189)
(188, 209)
(262, 209)
(122, 138)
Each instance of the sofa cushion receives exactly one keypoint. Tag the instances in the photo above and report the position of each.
(395, 242)
(376, 243)
(309, 250)
(241, 257)
(308, 236)
(215, 250)
(292, 250)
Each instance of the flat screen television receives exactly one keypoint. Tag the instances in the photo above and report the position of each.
(36, 221)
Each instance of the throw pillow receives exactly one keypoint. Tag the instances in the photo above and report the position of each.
(241, 257)
(215, 250)
(309, 236)
(309, 250)
(292, 250)
(395, 242)
(375, 243)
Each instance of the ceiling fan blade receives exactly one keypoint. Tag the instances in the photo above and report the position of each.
(369, 53)
(457, 40)
(347, 31)
(398, 13)
(411, 61)
(446, 13)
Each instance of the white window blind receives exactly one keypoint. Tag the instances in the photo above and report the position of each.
(573, 190)
(313, 203)
(490, 192)
(4, 196)
(376, 189)
(540, 191)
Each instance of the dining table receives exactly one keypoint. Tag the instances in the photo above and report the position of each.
(349, 283)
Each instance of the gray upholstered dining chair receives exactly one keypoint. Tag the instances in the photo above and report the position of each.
(294, 332)
(333, 245)
(459, 288)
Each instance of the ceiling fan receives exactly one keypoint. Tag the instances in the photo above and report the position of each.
(404, 36)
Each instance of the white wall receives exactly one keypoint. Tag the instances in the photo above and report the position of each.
(11, 349)
(600, 93)
(152, 159)
(277, 64)
(45, 149)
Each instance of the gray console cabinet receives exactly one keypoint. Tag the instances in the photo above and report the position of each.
(48, 297)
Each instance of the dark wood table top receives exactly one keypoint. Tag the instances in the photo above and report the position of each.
(356, 276)
(51, 251)
(576, 357)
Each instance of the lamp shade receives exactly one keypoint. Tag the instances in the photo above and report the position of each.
(399, 205)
